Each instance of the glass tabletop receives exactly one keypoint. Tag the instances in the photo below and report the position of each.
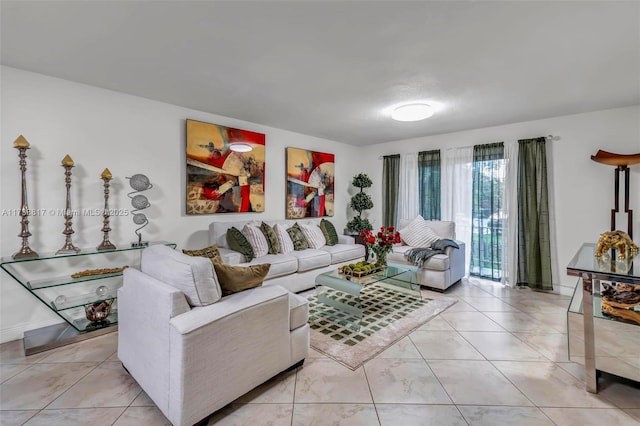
(388, 272)
(606, 267)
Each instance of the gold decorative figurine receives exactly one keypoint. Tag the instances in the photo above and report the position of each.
(618, 240)
(68, 247)
(25, 251)
(106, 244)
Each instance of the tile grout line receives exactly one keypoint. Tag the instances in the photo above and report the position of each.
(373, 401)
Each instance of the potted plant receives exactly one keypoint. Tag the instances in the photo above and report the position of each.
(360, 202)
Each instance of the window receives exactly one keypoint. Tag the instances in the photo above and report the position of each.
(429, 184)
(488, 215)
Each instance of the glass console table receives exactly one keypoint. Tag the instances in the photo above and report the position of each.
(602, 342)
(49, 279)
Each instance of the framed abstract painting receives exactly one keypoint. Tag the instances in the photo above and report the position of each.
(225, 169)
(310, 180)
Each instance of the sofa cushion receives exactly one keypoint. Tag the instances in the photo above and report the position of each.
(286, 245)
(438, 262)
(298, 311)
(311, 259)
(194, 276)
(281, 264)
(272, 238)
(234, 279)
(212, 253)
(238, 242)
(299, 241)
(329, 232)
(314, 236)
(343, 252)
(418, 234)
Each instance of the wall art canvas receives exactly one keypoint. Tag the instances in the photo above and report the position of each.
(220, 180)
(310, 180)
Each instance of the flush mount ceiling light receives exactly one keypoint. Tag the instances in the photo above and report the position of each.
(412, 112)
(240, 147)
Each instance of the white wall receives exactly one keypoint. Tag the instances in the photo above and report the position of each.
(128, 134)
(581, 189)
(101, 128)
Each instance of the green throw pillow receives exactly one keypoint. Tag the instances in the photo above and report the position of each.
(239, 278)
(299, 241)
(329, 232)
(238, 242)
(211, 252)
(272, 238)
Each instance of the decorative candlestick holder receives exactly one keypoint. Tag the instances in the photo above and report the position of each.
(25, 251)
(68, 246)
(106, 244)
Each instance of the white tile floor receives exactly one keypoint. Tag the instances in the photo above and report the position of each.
(497, 357)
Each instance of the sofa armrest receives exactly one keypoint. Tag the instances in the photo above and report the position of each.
(346, 239)
(234, 304)
(457, 262)
(231, 257)
(145, 306)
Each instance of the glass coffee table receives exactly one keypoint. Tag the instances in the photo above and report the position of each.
(340, 292)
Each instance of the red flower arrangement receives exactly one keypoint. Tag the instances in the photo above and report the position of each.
(382, 242)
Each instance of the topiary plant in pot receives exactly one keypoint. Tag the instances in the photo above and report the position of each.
(360, 202)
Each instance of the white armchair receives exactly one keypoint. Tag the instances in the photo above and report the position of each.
(442, 270)
(192, 361)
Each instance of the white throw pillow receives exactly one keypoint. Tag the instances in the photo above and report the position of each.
(194, 276)
(314, 236)
(257, 240)
(419, 234)
(286, 245)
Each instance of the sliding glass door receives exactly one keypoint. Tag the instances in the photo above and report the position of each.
(488, 215)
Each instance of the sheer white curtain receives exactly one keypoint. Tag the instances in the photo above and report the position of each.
(408, 200)
(456, 193)
(510, 225)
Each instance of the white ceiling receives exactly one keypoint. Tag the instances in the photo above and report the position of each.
(334, 69)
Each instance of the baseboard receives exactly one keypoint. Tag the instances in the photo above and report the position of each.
(564, 290)
(17, 331)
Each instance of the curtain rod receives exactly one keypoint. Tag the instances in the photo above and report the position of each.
(548, 138)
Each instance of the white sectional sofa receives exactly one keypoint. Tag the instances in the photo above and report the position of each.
(194, 352)
(442, 270)
(294, 271)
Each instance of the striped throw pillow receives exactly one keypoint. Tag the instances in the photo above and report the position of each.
(286, 245)
(257, 240)
(418, 234)
(314, 236)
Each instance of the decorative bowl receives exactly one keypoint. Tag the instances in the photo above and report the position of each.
(98, 311)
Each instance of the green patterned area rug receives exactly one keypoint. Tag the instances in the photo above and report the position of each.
(389, 315)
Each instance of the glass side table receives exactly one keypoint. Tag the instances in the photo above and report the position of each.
(49, 279)
(610, 344)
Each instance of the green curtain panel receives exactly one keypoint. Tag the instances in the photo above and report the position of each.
(390, 187)
(429, 184)
(487, 211)
(534, 246)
